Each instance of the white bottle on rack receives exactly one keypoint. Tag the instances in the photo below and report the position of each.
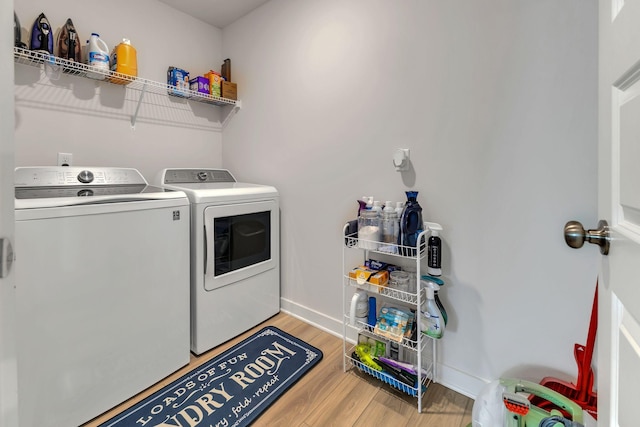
(399, 208)
(359, 308)
(389, 228)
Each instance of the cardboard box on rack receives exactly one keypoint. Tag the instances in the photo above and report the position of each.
(214, 82)
(178, 82)
(394, 323)
(199, 84)
(229, 90)
(364, 275)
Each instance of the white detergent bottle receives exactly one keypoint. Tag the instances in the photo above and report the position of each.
(97, 57)
(399, 208)
(432, 323)
(359, 308)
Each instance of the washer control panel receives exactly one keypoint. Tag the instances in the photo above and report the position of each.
(62, 176)
(194, 176)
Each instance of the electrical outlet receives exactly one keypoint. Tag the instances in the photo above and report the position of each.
(65, 159)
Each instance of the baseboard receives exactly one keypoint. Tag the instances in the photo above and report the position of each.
(315, 318)
(459, 381)
(448, 376)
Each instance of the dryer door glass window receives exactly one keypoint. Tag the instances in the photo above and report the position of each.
(241, 241)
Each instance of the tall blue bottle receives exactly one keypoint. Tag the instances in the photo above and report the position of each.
(411, 224)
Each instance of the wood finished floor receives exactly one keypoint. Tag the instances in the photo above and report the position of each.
(327, 396)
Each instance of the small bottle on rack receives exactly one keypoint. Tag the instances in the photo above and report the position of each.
(359, 308)
(373, 312)
(399, 208)
(389, 227)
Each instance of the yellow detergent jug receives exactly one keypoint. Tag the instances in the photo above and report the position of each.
(124, 61)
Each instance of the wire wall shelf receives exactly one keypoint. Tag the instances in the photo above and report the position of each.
(73, 68)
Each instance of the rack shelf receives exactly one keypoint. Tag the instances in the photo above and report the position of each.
(410, 390)
(405, 252)
(396, 294)
(403, 341)
(72, 68)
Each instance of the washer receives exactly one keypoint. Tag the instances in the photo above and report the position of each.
(235, 253)
(102, 290)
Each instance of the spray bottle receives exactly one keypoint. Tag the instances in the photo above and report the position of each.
(439, 282)
(362, 205)
(432, 322)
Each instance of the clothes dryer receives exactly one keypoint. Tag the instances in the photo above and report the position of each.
(235, 253)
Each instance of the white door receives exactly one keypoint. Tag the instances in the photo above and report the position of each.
(619, 204)
(8, 387)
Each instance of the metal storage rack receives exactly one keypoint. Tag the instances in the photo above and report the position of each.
(424, 347)
(139, 84)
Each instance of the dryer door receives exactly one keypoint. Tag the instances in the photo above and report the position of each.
(241, 240)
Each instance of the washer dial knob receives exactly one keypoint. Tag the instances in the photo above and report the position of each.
(85, 176)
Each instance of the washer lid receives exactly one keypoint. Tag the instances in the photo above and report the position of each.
(39, 187)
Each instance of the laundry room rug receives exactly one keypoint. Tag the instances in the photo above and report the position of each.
(230, 390)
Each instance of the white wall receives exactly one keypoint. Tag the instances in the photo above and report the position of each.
(91, 120)
(497, 102)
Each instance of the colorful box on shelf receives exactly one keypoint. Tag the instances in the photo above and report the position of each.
(199, 84)
(178, 82)
(394, 323)
(364, 275)
(214, 82)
